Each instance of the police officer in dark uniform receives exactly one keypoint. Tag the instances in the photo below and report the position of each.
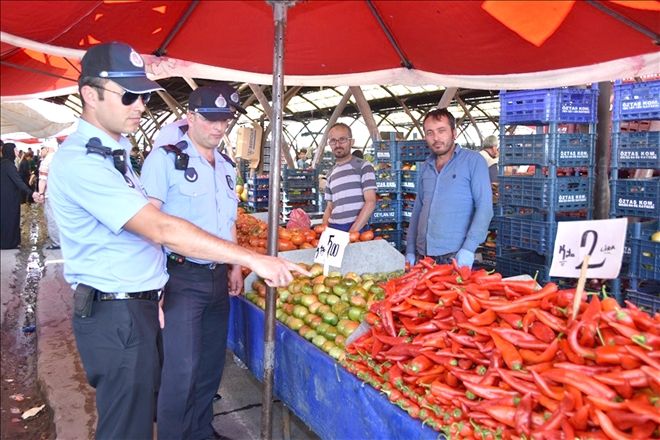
(198, 188)
(111, 239)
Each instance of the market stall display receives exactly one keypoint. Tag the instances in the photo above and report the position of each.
(477, 356)
(325, 310)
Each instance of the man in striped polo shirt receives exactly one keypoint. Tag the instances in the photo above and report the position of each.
(351, 189)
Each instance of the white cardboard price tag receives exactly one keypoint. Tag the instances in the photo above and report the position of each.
(331, 247)
(602, 240)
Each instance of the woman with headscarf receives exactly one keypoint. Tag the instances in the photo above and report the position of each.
(11, 189)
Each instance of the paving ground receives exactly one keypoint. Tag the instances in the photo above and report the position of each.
(237, 413)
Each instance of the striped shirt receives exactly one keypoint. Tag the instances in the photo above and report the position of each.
(345, 189)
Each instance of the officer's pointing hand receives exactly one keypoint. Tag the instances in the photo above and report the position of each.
(276, 272)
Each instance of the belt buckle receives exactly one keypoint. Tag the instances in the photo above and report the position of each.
(212, 266)
(121, 295)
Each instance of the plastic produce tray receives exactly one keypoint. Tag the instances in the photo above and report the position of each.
(634, 101)
(567, 105)
(387, 211)
(636, 197)
(571, 193)
(636, 149)
(560, 149)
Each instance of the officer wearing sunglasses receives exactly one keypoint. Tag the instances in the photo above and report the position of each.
(111, 238)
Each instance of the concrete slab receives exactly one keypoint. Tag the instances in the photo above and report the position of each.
(7, 279)
(59, 368)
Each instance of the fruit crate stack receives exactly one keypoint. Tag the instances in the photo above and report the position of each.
(396, 162)
(301, 190)
(635, 185)
(557, 186)
(257, 200)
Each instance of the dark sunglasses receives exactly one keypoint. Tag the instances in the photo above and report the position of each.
(128, 98)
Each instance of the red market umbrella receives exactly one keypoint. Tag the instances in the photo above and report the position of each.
(473, 44)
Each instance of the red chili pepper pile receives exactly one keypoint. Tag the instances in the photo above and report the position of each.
(476, 356)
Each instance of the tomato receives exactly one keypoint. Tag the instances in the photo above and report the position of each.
(319, 229)
(354, 236)
(285, 245)
(307, 246)
(314, 242)
(309, 235)
(254, 242)
(297, 238)
(284, 234)
(262, 242)
(367, 235)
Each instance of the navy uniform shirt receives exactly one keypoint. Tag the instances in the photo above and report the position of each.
(203, 195)
(92, 202)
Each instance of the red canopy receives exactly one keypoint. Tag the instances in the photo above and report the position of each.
(464, 43)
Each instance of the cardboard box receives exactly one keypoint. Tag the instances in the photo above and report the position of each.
(248, 144)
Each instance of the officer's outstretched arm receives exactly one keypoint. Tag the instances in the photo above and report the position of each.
(187, 239)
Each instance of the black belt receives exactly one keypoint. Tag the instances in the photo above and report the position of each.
(150, 295)
(185, 262)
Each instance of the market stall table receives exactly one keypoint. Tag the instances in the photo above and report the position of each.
(330, 400)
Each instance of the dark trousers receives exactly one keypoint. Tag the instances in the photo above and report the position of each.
(117, 345)
(196, 306)
(346, 227)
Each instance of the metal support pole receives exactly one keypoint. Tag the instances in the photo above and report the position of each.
(601, 190)
(279, 15)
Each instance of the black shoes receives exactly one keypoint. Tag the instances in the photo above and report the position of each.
(52, 247)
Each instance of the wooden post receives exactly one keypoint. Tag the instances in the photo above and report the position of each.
(365, 111)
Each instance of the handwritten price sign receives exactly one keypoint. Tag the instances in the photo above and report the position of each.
(330, 251)
(602, 240)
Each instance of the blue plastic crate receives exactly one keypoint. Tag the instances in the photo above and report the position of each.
(571, 193)
(406, 209)
(293, 178)
(409, 181)
(636, 197)
(636, 149)
(387, 211)
(388, 181)
(634, 101)
(645, 254)
(646, 296)
(531, 232)
(257, 206)
(386, 151)
(392, 236)
(516, 262)
(564, 105)
(412, 151)
(560, 149)
(258, 194)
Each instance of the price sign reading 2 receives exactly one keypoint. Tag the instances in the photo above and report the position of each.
(583, 244)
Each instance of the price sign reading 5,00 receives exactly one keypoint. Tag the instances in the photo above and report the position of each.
(330, 251)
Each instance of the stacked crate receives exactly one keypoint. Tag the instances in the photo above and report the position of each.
(301, 190)
(257, 192)
(635, 106)
(395, 187)
(561, 184)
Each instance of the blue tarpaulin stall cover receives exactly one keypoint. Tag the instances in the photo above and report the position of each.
(330, 400)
